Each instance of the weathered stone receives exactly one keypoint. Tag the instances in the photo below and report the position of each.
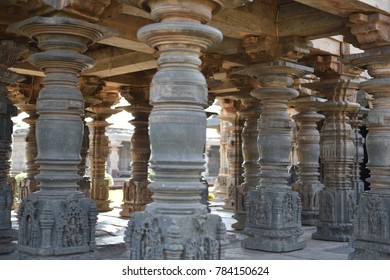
(135, 192)
(10, 52)
(274, 210)
(178, 94)
(308, 150)
(337, 198)
(371, 239)
(57, 220)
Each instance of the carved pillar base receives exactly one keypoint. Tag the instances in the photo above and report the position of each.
(136, 195)
(159, 236)
(57, 221)
(372, 230)
(57, 227)
(272, 223)
(274, 210)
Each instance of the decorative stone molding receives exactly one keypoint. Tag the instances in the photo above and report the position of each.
(56, 220)
(136, 193)
(337, 198)
(274, 210)
(371, 226)
(251, 114)
(178, 94)
(308, 152)
(10, 52)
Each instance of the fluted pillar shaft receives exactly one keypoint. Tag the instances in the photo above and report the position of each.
(57, 220)
(250, 155)
(10, 52)
(274, 210)
(178, 94)
(337, 198)
(136, 193)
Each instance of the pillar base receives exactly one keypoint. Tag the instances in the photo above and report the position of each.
(309, 218)
(136, 196)
(372, 227)
(337, 208)
(6, 247)
(84, 256)
(103, 205)
(154, 236)
(333, 232)
(56, 226)
(274, 221)
(278, 241)
(240, 224)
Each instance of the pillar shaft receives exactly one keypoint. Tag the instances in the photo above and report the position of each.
(337, 198)
(308, 152)
(57, 220)
(10, 52)
(250, 158)
(136, 193)
(371, 227)
(178, 94)
(274, 210)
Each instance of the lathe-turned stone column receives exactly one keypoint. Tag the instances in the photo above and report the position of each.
(251, 178)
(371, 235)
(99, 154)
(10, 52)
(308, 152)
(274, 210)
(176, 224)
(30, 184)
(337, 198)
(57, 220)
(135, 192)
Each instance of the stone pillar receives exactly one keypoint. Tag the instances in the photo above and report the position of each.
(10, 52)
(30, 184)
(274, 222)
(178, 123)
(251, 179)
(57, 221)
(308, 152)
(337, 198)
(233, 128)
(355, 120)
(135, 192)
(371, 235)
(99, 154)
(84, 185)
(114, 157)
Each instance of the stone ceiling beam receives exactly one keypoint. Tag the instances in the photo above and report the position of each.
(344, 8)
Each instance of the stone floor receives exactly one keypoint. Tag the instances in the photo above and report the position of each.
(110, 244)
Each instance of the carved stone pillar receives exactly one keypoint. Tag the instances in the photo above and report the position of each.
(308, 152)
(135, 192)
(84, 185)
(57, 220)
(337, 198)
(10, 52)
(178, 94)
(233, 129)
(355, 120)
(30, 184)
(250, 154)
(274, 210)
(371, 238)
(99, 154)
